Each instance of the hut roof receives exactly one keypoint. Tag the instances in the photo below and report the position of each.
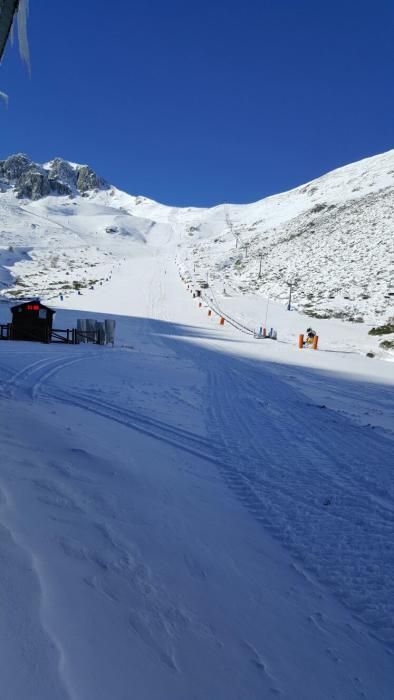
(33, 302)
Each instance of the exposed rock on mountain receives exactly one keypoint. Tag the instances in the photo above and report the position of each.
(61, 172)
(88, 180)
(33, 184)
(13, 167)
(33, 181)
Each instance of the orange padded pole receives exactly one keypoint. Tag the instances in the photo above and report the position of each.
(221, 321)
(301, 341)
(209, 312)
(315, 342)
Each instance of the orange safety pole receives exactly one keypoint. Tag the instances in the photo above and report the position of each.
(221, 321)
(315, 342)
(301, 341)
(209, 312)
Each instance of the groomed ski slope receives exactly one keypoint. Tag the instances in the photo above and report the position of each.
(193, 514)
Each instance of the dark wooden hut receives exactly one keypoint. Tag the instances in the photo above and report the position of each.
(31, 321)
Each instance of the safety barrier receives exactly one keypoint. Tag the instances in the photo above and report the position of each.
(229, 319)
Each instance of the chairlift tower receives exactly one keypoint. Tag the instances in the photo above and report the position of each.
(291, 285)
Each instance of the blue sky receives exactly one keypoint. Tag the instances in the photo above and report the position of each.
(195, 103)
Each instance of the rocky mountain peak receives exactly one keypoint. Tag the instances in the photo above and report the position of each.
(60, 170)
(15, 166)
(33, 181)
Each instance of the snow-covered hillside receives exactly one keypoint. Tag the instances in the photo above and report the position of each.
(68, 234)
(333, 238)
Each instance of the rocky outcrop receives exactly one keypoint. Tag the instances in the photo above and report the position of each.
(88, 180)
(62, 172)
(33, 184)
(32, 181)
(58, 187)
(15, 166)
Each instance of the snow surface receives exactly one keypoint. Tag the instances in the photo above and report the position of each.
(194, 513)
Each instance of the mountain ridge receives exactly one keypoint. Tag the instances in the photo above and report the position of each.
(332, 237)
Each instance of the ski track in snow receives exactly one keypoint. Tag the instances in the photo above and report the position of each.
(33, 375)
(325, 499)
(144, 424)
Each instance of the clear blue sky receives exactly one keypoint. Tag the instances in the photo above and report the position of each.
(202, 102)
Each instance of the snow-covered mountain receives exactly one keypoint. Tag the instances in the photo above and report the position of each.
(333, 237)
(62, 227)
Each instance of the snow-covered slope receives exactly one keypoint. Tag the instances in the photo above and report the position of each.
(194, 512)
(334, 237)
(58, 243)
